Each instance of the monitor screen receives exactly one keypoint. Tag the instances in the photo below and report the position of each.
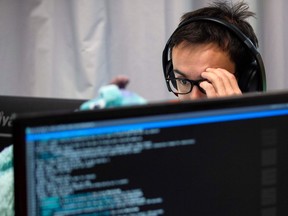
(212, 157)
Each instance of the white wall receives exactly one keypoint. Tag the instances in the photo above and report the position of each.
(69, 48)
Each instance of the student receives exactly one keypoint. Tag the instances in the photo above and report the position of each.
(213, 53)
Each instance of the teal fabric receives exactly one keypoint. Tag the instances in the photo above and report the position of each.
(6, 182)
(112, 96)
(108, 96)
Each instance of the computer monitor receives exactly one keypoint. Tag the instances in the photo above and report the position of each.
(12, 105)
(212, 157)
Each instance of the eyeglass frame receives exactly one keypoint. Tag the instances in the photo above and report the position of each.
(192, 82)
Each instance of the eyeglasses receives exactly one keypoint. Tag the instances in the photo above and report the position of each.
(183, 86)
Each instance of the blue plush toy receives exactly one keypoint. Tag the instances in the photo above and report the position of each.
(6, 182)
(112, 96)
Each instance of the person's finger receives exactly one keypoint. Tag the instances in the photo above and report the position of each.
(208, 88)
(224, 82)
(216, 80)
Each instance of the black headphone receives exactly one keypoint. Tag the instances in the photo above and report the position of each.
(252, 79)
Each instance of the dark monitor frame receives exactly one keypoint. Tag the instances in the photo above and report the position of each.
(119, 113)
(10, 106)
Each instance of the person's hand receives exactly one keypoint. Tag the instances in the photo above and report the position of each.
(220, 82)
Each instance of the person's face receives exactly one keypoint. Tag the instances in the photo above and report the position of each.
(190, 60)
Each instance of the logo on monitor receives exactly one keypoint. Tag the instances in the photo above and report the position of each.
(6, 120)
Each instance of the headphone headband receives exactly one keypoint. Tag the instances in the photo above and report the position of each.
(236, 31)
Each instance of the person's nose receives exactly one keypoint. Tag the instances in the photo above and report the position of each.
(196, 93)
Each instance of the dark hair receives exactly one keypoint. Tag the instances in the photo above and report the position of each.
(208, 32)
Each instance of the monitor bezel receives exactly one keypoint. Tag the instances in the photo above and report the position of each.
(152, 109)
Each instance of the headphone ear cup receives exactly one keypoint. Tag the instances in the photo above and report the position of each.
(169, 70)
(170, 73)
(249, 80)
